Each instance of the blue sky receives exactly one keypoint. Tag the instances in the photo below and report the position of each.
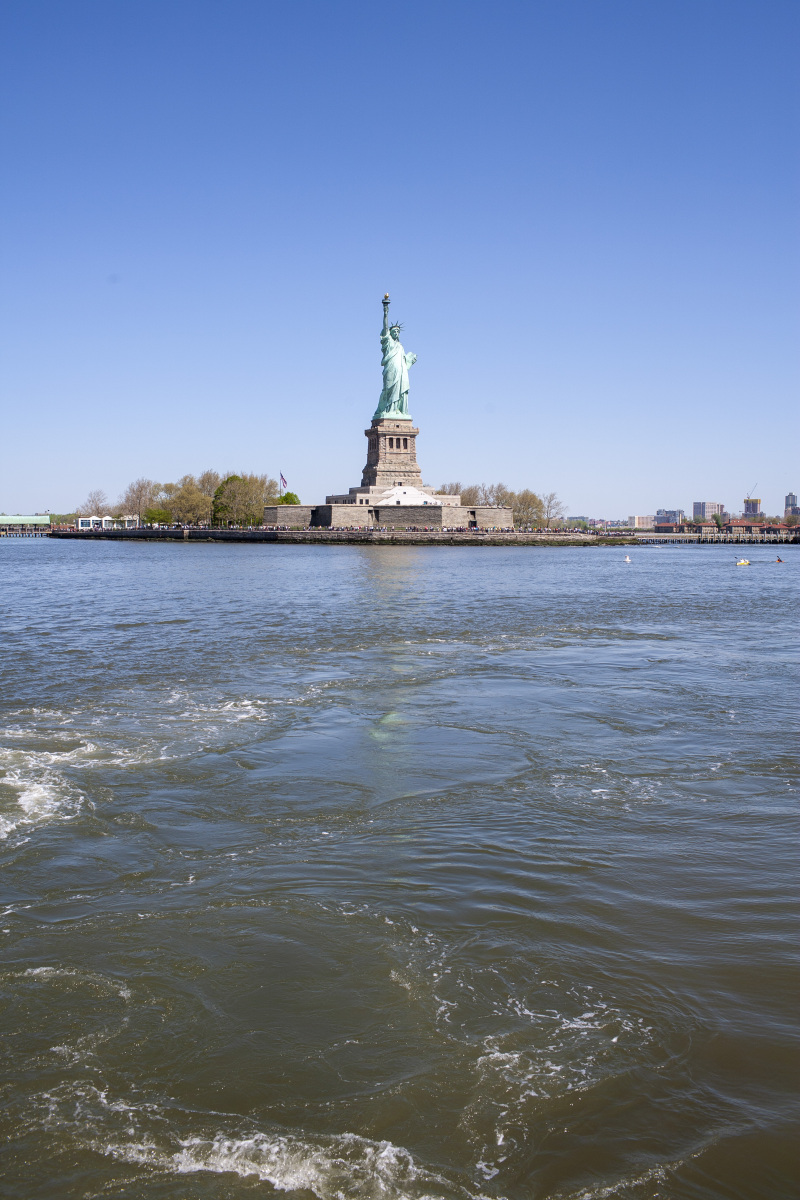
(586, 213)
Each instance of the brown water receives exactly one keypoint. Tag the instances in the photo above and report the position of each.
(398, 872)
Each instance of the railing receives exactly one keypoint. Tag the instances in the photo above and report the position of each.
(721, 538)
(10, 531)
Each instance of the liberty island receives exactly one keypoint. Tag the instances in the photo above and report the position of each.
(392, 503)
(391, 493)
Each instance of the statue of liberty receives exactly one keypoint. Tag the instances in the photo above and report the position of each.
(395, 363)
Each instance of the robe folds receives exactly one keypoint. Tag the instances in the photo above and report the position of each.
(395, 363)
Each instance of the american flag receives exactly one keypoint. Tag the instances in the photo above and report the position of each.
(283, 481)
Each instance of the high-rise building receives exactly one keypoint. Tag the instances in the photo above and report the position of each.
(752, 507)
(707, 508)
(791, 500)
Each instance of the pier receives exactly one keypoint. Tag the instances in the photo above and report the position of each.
(709, 539)
(14, 533)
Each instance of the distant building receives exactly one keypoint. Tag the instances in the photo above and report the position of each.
(31, 523)
(791, 507)
(707, 508)
(670, 516)
(641, 522)
(752, 507)
(744, 525)
(106, 522)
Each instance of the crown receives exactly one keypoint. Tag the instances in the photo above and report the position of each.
(396, 325)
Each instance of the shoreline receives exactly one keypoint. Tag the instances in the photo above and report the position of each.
(344, 537)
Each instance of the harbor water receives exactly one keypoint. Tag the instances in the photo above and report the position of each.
(397, 872)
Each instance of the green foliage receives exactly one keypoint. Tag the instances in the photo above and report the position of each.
(240, 499)
(222, 503)
(198, 500)
(527, 507)
(189, 502)
(288, 498)
(157, 516)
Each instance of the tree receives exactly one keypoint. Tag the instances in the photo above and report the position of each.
(471, 495)
(717, 519)
(554, 510)
(288, 498)
(527, 507)
(95, 504)
(157, 516)
(240, 499)
(208, 482)
(138, 496)
(188, 501)
(496, 494)
(189, 504)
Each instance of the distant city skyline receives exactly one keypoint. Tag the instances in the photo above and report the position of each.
(591, 237)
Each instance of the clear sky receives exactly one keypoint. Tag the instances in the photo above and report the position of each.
(586, 213)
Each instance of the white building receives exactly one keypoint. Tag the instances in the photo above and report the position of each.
(106, 522)
(414, 497)
(641, 522)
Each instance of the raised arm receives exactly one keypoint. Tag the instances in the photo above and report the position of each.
(386, 313)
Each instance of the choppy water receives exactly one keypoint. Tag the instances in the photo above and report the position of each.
(398, 872)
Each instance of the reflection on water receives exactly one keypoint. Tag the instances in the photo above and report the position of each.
(398, 872)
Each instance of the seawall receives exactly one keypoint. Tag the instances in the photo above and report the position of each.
(341, 537)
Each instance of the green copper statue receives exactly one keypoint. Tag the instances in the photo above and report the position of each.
(395, 363)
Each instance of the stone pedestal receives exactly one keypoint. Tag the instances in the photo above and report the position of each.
(391, 454)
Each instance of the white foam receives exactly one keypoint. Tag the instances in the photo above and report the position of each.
(331, 1168)
(88, 977)
(606, 1191)
(42, 792)
(38, 800)
(34, 779)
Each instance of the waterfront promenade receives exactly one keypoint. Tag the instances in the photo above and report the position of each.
(426, 537)
(372, 537)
